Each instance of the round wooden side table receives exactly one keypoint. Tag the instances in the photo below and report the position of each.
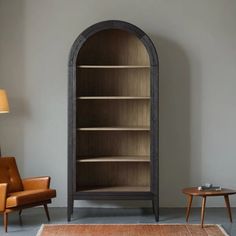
(190, 192)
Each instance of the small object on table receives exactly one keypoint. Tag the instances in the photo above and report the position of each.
(194, 191)
(209, 187)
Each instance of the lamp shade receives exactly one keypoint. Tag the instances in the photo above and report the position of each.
(4, 107)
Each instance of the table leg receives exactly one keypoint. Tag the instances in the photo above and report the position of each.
(190, 199)
(228, 206)
(203, 210)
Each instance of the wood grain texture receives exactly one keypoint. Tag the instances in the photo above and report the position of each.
(113, 174)
(115, 128)
(114, 97)
(113, 47)
(114, 189)
(131, 230)
(113, 143)
(113, 66)
(113, 82)
(116, 63)
(195, 192)
(115, 159)
(101, 113)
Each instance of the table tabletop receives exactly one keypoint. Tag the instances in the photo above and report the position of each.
(195, 192)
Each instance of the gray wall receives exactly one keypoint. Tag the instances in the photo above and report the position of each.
(196, 42)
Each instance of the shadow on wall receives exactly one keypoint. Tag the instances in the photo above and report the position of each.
(174, 87)
(12, 73)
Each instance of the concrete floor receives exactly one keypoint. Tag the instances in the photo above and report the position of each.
(34, 217)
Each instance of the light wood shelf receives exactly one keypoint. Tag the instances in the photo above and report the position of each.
(114, 129)
(114, 97)
(115, 159)
(114, 66)
(115, 189)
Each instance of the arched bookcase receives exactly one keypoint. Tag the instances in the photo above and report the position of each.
(113, 116)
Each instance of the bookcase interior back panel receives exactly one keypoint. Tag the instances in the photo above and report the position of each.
(100, 113)
(113, 143)
(92, 175)
(113, 47)
(99, 76)
(113, 82)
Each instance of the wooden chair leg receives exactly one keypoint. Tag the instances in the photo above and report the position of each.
(20, 219)
(5, 220)
(46, 211)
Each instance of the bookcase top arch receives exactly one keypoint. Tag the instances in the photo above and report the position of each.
(114, 26)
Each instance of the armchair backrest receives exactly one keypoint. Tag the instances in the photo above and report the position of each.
(9, 174)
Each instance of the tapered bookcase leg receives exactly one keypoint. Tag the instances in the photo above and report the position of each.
(70, 208)
(155, 208)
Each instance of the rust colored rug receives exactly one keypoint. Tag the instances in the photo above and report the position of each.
(131, 230)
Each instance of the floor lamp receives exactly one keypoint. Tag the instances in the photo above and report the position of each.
(4, 106)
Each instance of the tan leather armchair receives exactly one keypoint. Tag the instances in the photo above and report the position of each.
(17, 194)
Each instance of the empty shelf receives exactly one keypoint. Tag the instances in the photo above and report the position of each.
(113, 97)
(114, 129)
(113, 66)
(115, 189)
(115, 159)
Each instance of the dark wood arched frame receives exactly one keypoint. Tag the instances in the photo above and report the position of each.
(154, 120)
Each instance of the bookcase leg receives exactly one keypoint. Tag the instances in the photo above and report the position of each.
(70, 208)
(155, 206)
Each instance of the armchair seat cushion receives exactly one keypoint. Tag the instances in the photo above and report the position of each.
(29, 196)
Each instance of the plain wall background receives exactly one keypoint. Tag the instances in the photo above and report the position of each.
(196, 42)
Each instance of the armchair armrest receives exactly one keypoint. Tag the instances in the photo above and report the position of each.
(3, 196)
(36, 183)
